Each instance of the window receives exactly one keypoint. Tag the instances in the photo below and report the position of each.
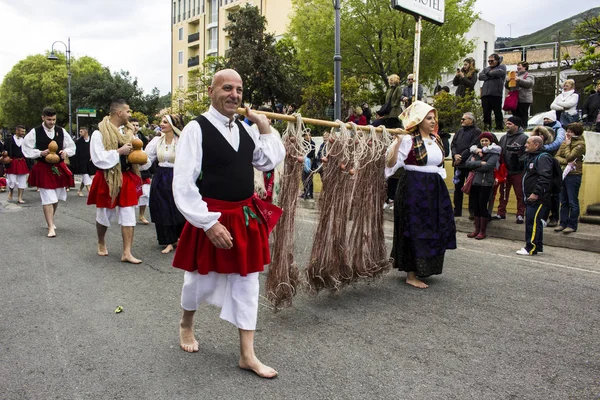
(194, 9)
(214, 12)
(180, 81)
(180, 104)
(174, 12)
(184, 1)
(179, 9)
(212, 39)
(180, 58)
(180, 34)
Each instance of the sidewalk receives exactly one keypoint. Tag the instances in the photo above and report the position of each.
(586, 238)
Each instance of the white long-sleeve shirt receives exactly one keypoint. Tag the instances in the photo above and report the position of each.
(434, 158)
(152, 150)
(30, 151)
(268, 152)
(102, 158)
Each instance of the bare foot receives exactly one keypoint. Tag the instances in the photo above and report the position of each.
(416, 283)
(187, 341)
(167, 249)
(9, 198)
(21, 202)
(80, 194)
(51, 232)
(130, 259)
(102, 250)
(143, 220)
(258, 368)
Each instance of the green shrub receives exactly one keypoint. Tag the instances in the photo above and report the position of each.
(451, 108)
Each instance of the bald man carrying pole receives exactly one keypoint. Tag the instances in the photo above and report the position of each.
(224, 244)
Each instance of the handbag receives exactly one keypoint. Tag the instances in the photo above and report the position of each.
(468, 183)
(511, 101)
(387, 107)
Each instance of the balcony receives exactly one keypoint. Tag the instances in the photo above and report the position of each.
(194, 37)
(193, 61)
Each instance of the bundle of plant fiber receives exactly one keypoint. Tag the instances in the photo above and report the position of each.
(283, 277)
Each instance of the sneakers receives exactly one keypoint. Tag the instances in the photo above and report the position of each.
(521, 220)
(524, 252)
(552, 223)
(498, 216)
(568, 230)
(559, 228)
(544, 223)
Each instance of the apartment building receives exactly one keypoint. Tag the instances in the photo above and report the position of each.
(197, 30)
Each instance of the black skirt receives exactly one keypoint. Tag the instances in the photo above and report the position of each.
(423, 223)
(166, 217)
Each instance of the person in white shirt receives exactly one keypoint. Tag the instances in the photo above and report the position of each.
(51, 179)
(224, 244)
(566, 103)
(115, 186)
(17, 170)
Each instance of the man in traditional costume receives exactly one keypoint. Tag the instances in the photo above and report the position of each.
(52, 180)
(224, 244)
(17, 170)
(116, 186)
(146, 175)
(82, 162)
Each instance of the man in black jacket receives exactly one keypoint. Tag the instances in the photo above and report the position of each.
(536, 190)
(464, 138)
(512, 151)
(591, 108)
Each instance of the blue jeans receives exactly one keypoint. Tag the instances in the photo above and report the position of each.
(534, 230)
(569, 201)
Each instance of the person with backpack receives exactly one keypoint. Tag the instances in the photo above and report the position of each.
(570, 156)
(537, 182)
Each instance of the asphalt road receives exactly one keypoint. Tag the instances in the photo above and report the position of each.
(493, 326)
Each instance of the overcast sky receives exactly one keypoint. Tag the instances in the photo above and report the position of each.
(134, 35)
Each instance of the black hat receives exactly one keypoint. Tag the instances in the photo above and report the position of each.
(516, 120)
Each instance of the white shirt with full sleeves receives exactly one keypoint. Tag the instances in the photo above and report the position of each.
(30, 151)
(434, 158)
(102, 158)
(268, 152)
(152, 151)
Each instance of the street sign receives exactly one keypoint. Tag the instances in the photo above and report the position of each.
(86, 112)
(430, 10)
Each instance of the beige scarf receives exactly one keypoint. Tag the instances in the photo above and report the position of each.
(112, 139)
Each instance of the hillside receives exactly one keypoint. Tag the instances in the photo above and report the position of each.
(549, 34)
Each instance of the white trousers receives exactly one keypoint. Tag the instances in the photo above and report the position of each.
(51, 196)
(86, 179)
(126, 215)
(19, 180)
(236, 295)
(144, 199)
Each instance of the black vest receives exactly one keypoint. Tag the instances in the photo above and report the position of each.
(42, 140)
(14, 151)
(226, 174)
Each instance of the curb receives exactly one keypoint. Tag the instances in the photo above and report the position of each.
(508, 229)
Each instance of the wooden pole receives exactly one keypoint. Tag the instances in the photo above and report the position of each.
(320, 122)
(417, 55)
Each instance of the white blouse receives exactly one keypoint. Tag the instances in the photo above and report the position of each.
(102, 158)
(434, 158)
(28, 146)
(268, 152)
(159, 149)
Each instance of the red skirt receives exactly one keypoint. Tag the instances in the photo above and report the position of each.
(18, 166)
(250, 251)
(50, 176)
(2, 182)
(146, 181)
(131, 190)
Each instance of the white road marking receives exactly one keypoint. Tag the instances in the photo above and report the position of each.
(530, 260)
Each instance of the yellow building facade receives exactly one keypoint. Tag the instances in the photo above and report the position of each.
(197, 31)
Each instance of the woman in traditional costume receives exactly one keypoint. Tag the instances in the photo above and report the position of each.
(423, 218)
(167, 219)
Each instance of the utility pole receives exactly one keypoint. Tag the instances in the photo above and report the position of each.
(558, 65)
(337, 66)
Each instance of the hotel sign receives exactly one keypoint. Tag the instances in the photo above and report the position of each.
(430, 10)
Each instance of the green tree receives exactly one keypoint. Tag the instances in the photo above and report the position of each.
(450, 109)
(253, 54)
(589, 31)
(377, 41)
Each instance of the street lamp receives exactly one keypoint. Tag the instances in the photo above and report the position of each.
(337, 65)
(53, 57)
